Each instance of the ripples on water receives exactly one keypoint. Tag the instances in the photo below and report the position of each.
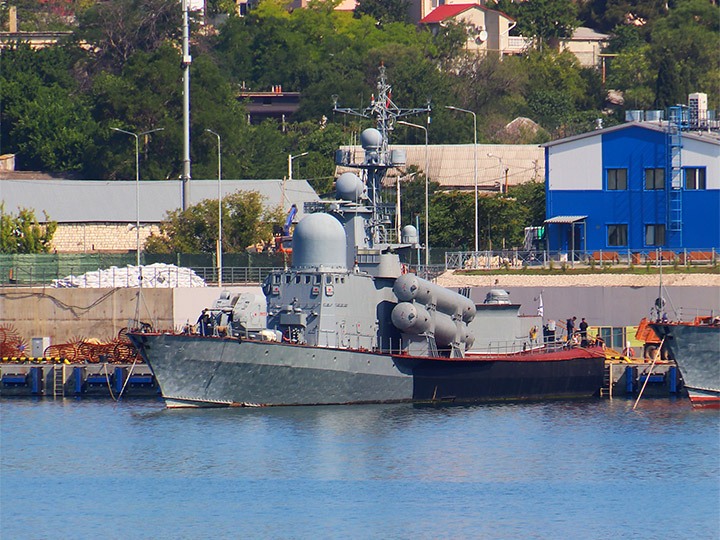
(576, 469)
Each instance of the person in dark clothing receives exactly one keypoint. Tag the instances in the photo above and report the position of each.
(583, 333)
(570, 327)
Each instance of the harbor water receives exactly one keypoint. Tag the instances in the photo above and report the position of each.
(547, 470)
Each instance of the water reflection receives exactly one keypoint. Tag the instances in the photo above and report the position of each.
(530, 470)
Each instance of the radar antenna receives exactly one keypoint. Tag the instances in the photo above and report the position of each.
(385, 112)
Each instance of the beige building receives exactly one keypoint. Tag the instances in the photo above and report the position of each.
(587, 45)
(499, 166)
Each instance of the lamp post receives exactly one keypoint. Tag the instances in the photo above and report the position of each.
(475, 170)
(290, 160)
(427, 213)
(290, 173)
(137, 181)
(219, 244)
(503, 171)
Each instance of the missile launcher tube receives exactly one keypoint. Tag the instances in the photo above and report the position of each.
(413, 318)
(409, 287)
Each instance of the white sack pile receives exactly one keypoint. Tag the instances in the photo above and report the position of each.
(153, 276)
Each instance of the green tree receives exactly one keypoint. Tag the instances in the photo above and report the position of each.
(530, 196)
(117, 29)
(547, 20)
(383, 11)
(246, 221)
(23, 233)
(606, 15)
(685, 45)
(668, 90)
(46, 118)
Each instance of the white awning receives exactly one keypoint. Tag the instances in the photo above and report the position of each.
(565, 219)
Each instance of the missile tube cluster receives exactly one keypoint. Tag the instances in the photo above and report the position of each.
(428, 308)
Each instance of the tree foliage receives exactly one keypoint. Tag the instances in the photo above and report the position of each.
(59, 103)
(547, 20)
(246, 221)
(118, 29)
(383, 11)
(23, 233)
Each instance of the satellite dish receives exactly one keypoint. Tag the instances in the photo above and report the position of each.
(482, 36)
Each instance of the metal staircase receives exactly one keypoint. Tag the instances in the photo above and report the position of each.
(674, 186)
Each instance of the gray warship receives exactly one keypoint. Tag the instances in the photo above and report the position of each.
(695, 346)
(347, 323)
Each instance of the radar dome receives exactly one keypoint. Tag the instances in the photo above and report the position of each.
(410, 235)
(319, 240)
(349, 187)
(371, 139)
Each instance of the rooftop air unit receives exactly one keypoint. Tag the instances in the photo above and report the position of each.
(697, 105)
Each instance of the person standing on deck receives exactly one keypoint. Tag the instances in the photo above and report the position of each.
(583, 333)
(570, 327)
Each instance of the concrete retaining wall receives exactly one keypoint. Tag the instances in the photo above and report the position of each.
(64, 314)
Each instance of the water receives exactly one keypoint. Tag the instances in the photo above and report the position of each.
(589, 469)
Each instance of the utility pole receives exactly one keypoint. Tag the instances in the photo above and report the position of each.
(186, 61)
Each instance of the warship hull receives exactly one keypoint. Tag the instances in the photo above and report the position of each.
(696, 350)
(202, 371)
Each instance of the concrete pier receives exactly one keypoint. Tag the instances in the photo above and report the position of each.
(57, 379)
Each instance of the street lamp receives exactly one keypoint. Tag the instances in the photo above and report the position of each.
(290, 171)
(475, 170)
(290, 160)
(219, 244)
(427, 213)
(502, 170)
(137, 181)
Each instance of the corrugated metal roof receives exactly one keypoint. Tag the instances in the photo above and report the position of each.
(100, 201)
(452, 165)
(565, 219)
(704, 136)
(583, 33)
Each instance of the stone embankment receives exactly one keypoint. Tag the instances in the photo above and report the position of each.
(450, 279)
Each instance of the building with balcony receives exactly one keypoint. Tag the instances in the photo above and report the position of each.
(488, 29)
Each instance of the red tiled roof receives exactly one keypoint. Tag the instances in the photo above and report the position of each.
(446, 11)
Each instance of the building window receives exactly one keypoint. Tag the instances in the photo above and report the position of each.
(695, 178)
(617, 179)
(654, 178)
(654, 235)
(617, 235)
(613, 336)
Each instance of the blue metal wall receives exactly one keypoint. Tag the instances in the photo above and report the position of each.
(636, 149)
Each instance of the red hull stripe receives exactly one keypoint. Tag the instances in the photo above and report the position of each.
(706, 401)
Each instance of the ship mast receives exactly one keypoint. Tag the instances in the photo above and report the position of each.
(385, 112)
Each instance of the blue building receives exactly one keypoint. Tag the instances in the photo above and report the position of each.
(637, 187)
